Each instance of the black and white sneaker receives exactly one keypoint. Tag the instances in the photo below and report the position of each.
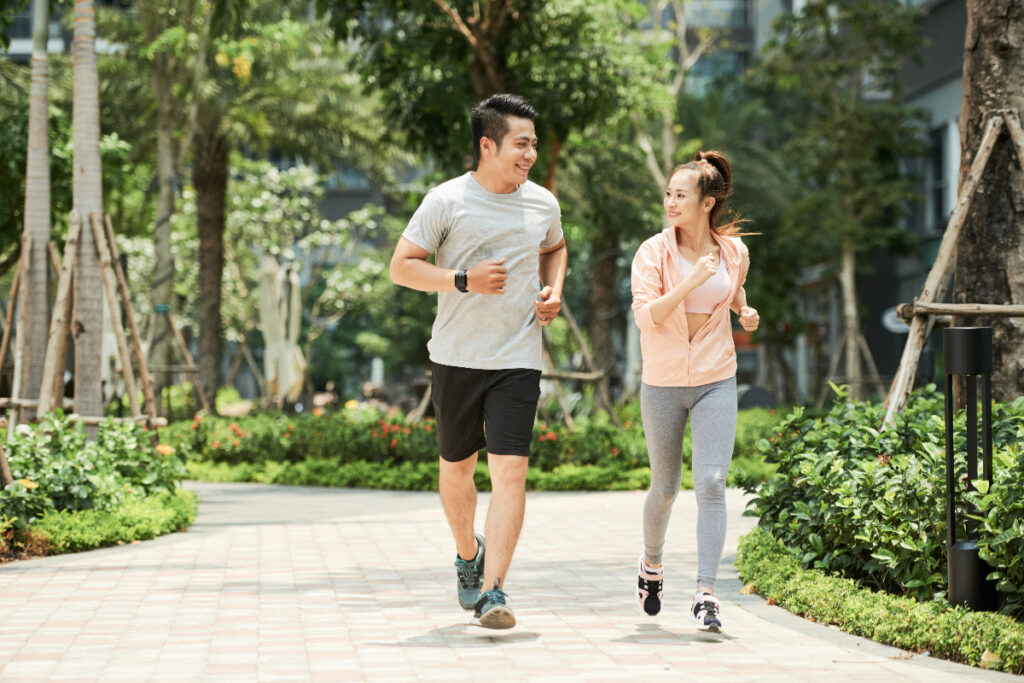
(649, 588)
(706, 612)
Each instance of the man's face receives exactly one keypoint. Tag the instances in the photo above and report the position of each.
(510, 162)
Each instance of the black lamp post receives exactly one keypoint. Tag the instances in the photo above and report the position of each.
(968, 351)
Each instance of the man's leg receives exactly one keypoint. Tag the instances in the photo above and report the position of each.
(458, 497)
(504, 515)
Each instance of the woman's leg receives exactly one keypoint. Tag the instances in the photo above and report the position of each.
(664, 412)
(714, 432)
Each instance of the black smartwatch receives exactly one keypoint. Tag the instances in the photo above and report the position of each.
(460, 281)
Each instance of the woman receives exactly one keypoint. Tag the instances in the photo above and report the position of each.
(685, 280)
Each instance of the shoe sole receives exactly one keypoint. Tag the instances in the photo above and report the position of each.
(496, 618)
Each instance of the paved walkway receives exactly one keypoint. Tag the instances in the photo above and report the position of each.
(281, 583)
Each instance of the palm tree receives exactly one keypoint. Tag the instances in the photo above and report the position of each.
(33, 305)
(87, 196)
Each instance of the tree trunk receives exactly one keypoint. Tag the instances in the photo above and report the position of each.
(210, 178)
(851, 324)
(989, 264)
(604, 256)
(34, 301)
(87, 190)
(162, 345)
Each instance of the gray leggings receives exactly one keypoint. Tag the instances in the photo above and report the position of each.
(665, 410)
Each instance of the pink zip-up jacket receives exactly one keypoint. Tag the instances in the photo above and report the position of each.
(671, 359)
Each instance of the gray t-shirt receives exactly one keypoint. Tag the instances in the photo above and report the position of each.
(463, 224)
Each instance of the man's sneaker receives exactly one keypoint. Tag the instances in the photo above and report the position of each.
(471, 575)
(706, 612)
(649, 589)
(491, 610)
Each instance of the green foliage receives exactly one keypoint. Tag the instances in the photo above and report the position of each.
(414, 476)
(831, 74)
(1000, 510)
(775, 571)
(135, 519)
(870, 505)
(359, 447)
(566, 57)
(56, 467)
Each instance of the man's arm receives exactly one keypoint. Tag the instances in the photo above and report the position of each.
(553, 263)
(409, 268)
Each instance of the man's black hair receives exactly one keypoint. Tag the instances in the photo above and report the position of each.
(489, 118)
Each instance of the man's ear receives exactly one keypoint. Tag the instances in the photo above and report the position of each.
(486, 146)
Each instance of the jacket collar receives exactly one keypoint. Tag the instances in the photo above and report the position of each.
(727, 245)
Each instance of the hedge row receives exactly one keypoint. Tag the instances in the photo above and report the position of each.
(67, 531)
(977, 638)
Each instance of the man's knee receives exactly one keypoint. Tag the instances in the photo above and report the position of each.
(457, 470)
(508, 471)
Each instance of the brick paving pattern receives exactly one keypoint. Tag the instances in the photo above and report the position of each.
(302, 584)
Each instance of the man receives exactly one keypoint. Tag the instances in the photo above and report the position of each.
(495, 234)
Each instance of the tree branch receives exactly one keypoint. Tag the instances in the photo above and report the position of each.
(460, 25)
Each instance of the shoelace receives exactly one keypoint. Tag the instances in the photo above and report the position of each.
(495, 595)
(467, 573)
(709, 606)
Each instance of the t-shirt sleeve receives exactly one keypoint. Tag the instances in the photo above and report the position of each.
(554, 232)
(429, 225)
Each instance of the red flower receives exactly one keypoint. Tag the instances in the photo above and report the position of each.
(373, 433)
(394, 442)
(615, 451)
(216, 444)
(235, 443)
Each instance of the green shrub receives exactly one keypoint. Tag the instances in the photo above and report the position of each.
(57, 468)
(870, 504)
(775, 571)
(135, 519)
(361, 434)
(419, 476)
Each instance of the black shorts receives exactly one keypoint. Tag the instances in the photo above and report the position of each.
(466, 401)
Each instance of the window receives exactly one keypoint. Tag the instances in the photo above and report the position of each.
(718, 13)
(935, 177)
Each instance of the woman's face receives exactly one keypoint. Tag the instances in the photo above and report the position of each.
(683, 204)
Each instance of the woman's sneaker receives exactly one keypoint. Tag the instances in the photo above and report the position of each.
(491, 610)
(706, 612)
(649, 588)
(471, 575)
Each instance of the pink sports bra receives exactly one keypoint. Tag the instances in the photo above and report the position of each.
(704, 298)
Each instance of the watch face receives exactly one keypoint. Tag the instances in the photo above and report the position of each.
(460, 281)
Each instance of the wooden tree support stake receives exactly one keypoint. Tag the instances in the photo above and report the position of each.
(61, 316)
(908, 311)
(126, 302)
(562, 403)
(9, 318)
(189, 361)
(935, 283)
(51, 249)
(5, 469)
(588, 362)
(110, 289)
